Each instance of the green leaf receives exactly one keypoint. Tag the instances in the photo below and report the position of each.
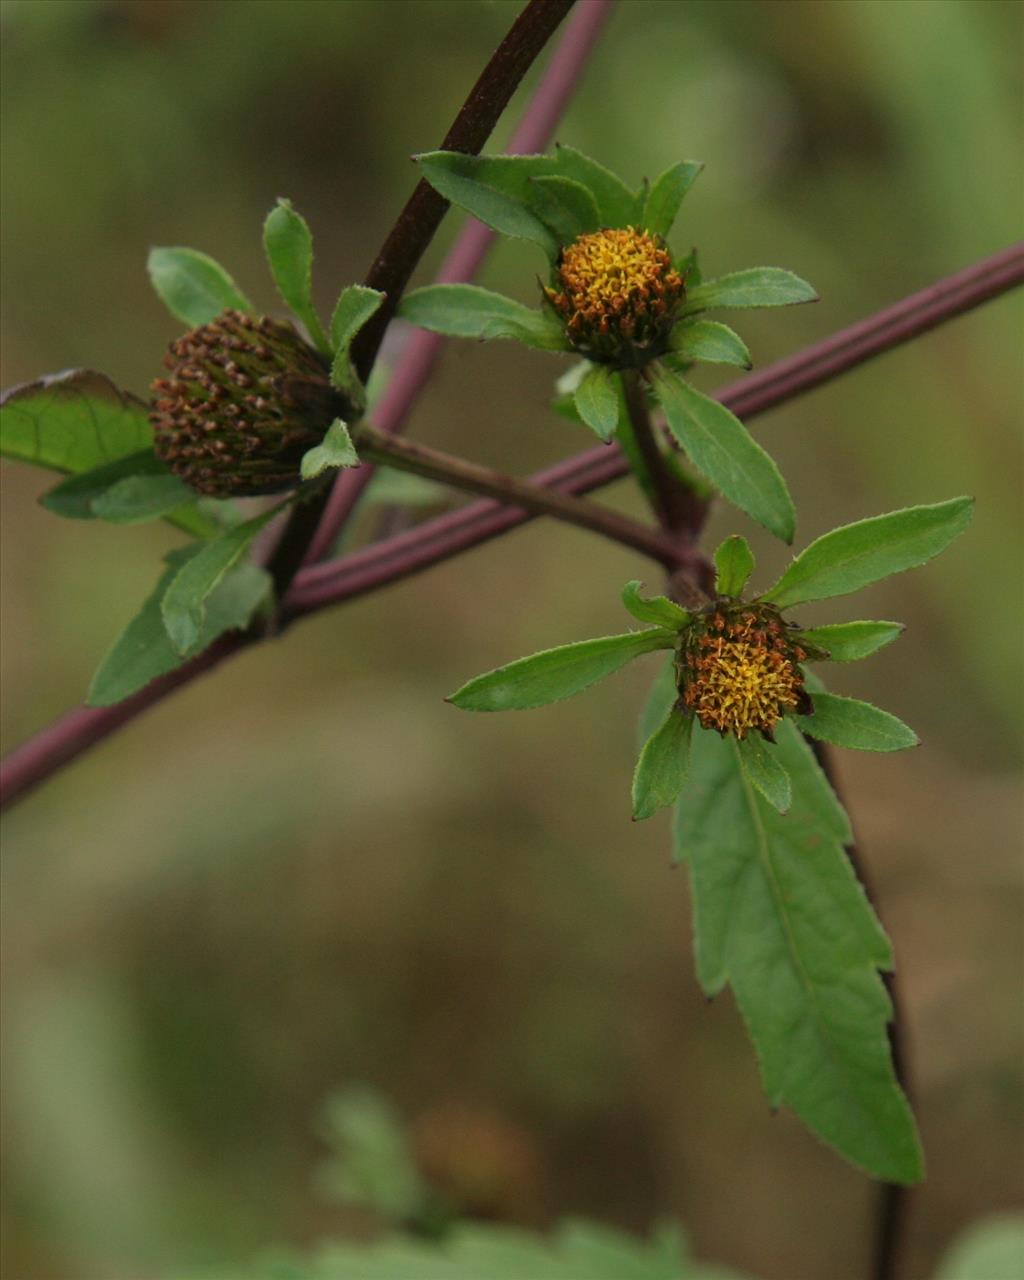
(779, 913)
(660, 700)
(855, 555)
(144, 651)
(185, 602)
(373, 1165)
(755, 287)
(289, 248)
(493, 189)
(554, 674)
(850, 641)
(848, 722)
(707, 340)
(616, 203)
(689, 269)
(467, 311)
(734, 563)
(761, 761)
(659, 611)
(722, 448)
(355, 306)
(597, 401)
(131, 490)
(193, 286)
(335, 450)
(565, 205)
(992, 1249)
(665, 197)
(661, 769)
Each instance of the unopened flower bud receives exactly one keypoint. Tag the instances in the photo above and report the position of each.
(246, 397)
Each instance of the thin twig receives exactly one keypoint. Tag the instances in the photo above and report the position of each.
(373, 567)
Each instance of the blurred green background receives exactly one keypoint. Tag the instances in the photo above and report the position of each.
(307, 870)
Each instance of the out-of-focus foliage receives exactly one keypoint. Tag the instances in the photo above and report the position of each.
(306, 868)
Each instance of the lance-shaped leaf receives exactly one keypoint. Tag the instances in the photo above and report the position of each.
(855, 555)
(659, 701)
(494, 189)
(335, 450)
(661, 769)
(193, 286)
(554, 674)
(288, 243)
(355, 306)
(144, 651)
(567, 207)
(734, 563)
(666, 195)
(850, 641)
(709, 341)
(616, 203)
(468, 311)
(597, 401)
(185, 601)
(133, 489)
(659, 611)
(779, 913)
(755, 287)
(722, 448)
(764, 769)
(848, 722)
(78, 421)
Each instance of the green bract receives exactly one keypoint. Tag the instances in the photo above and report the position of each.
(617, 297)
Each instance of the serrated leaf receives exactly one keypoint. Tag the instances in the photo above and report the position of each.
(597, 401)
(660, 700)
(565, 205)
(355, 306)
(616, 203)
(193, 286)
(779, 914)
(666, 195)
(855, 555)
(288, 244)
(721, 447)
(493, 189)
(764, 769)
(185, 601)
(661, 769)
(658, 611)
(755, 287)
(850, 641)
(468, 311)
(707, 340)
(335, 450)
(734, 563)
(554, 674)
(848, 722)
(131, 490)
(144, 651)
(689, 268)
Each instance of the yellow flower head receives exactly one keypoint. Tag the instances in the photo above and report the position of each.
(617, 293)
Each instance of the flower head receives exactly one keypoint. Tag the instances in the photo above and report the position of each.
(245, 399)
(739, 670)
(618, 293)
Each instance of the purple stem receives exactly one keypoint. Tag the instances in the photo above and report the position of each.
(465, 257)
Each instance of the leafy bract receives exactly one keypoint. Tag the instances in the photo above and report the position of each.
(722, 448)
(468, 311)
(848, 722)
(135, 488)
(849, 641)
(855, 555)
(761, 761)
(597, 400)
(779, 913)
(567, 207)
(709, 341)
(616, 203)
(666, 195)
(661, 769)
(335, 450)
(659, 702)
(185, 601)
(288, 243)
(144, 651)
(734, 563)
(355, 306)
(754, 287)
(658, 611)
(554, 674)
(193, 286)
